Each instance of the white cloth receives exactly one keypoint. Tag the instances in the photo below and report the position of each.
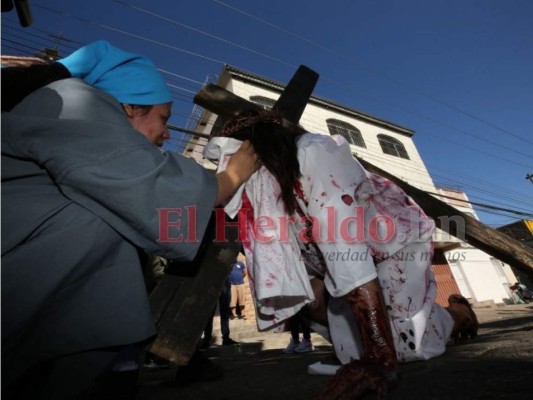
(278, 278)
(363, 227)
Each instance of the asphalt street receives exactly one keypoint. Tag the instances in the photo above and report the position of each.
(498, 364)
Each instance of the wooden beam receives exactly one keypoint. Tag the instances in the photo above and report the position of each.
(292, 102)
(186, 296)
(475, 233)
(224, 103)
(184, 299)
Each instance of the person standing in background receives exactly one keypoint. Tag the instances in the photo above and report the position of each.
(236, 278)
(224, 312)
(296, 322)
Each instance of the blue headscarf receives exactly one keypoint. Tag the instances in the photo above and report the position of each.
(130, 78)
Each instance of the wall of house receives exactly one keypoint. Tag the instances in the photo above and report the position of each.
(483, 280)
(473, 270)
(314, 119)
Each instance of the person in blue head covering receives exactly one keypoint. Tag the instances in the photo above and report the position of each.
(129, 77)
(84, 188)
(132, 79)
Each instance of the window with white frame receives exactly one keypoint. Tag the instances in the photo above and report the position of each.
(347, 131)
(392, 146)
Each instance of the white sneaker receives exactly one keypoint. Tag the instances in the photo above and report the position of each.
(291, 347)
(322, 369)
(304, 346)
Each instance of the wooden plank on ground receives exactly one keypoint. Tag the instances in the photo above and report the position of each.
(187, 294)
(185, 297)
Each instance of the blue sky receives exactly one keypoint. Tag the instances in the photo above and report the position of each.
(459, 73)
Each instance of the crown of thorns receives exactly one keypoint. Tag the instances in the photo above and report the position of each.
(245, 123)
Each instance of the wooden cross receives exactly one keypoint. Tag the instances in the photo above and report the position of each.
(185, 298)
(479, 235)
(182, 305)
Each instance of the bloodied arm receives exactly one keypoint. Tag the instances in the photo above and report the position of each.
(377, 370)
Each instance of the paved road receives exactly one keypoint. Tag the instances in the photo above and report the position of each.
(497, 365)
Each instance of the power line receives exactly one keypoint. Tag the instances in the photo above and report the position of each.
(488, 206)
(137, 36)
(180, 76)
(343, 85)
(172, 21)
(33, 27)
(372, 70)
(20, 44)
(130, 34)
(180, 88)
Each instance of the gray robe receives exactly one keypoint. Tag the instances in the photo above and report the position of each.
(81, 192)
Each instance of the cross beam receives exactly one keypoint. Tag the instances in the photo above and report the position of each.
(186, 296)
(479, 235)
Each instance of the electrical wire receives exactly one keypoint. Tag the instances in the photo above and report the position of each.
(133, 35)
(371, 70)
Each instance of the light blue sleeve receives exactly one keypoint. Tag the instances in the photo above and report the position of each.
(80, 136)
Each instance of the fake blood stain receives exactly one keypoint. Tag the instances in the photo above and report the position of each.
(347, 199)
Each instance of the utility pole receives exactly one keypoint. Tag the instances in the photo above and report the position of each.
(52, 53)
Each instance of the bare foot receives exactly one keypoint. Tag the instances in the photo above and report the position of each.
(466, 323)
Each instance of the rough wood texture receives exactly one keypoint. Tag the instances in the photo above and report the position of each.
(479, 235)
(223, 103)
(186, 296)
(183, 302)
(291, 103)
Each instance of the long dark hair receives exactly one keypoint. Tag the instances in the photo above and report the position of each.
(276, 147)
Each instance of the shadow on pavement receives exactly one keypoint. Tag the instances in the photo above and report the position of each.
(496, 365)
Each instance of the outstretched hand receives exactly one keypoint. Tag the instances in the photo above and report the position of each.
(352, 381)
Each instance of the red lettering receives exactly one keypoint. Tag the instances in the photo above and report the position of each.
(258, 227)
(331, 224)
(191, 225)
(359, 220)
(284, 227)
(165, 224)
(390, 229)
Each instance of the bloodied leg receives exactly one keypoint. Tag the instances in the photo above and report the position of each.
(377, 369)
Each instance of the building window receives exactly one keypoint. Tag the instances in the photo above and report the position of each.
(347, 131)
(265, 102)
(392, 146)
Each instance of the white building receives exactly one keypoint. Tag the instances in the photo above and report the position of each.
(480, 277)
(390, 147)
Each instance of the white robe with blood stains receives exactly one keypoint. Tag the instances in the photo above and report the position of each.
(351, 227)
